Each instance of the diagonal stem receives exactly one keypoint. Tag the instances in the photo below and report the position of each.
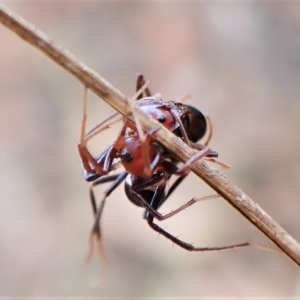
(221, 184)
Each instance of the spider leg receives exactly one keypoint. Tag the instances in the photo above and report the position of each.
(152, 209)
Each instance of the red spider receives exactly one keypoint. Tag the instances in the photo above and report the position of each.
(148, 165)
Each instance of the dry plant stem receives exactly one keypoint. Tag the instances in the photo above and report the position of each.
(236, 197)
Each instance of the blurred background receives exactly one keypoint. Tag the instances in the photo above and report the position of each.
(240, 61)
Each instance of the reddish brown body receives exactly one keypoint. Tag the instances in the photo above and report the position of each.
(148, 165)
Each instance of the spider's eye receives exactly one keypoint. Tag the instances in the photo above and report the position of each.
(161, 119)
(126, 157)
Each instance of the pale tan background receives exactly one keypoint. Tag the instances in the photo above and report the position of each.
(241, 63)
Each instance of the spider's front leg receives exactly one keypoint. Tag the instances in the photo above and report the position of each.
(101, 165)
(152, 204)
(139, 84)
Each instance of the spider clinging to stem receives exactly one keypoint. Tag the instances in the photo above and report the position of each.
(148, 165)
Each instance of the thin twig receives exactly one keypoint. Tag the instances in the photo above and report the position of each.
(224, 187)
